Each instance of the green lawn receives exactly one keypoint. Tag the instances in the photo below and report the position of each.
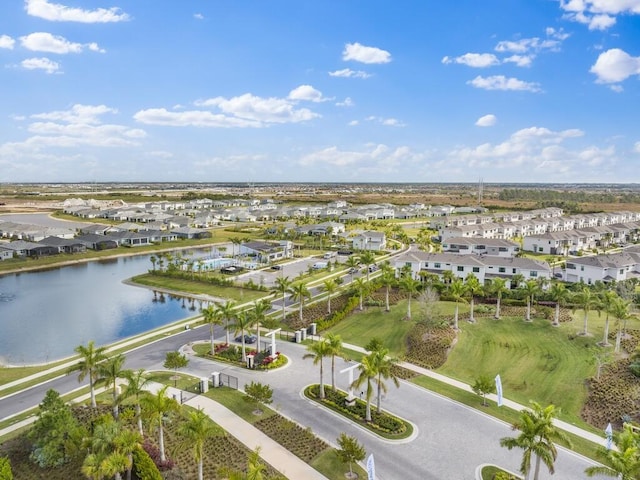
(198, 288)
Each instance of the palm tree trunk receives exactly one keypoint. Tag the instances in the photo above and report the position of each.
(497, 316)
(528, 316)
(455, 318)
(605, 337)
(227, 330)
(139, 415)
(471, 319)
(618, 340)
(115, 400)
(379, 393)
(556, 316)
(130, 457)
(93, 393)
(300, 311)
(368, 410)
(284, 306)
(333, 372)
(361, 302)
(213, 347)
(244, 350)
(409, 309)
(386, 299)
(537, 472)
(161, 442)
(200, 472)
(586, 315)
(321, 380)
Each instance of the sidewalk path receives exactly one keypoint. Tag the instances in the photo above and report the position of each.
(272, 452)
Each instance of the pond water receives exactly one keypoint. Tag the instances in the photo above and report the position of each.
(45, 315)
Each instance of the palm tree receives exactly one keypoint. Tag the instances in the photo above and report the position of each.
(317, 351)
(227, 312)
(498, 287)
(90, 357)
(623, 462)
(447, 277)
(241, 323)
(367, 258)
(530, 289)
(283, 286)
(385, 371)
(361, 286)
(235, 241)
(558, 294)
(195, 431)
(213, 317)
(607, 300)
(126, 442)
(258, 315)
(410, 286)
(537, 437)
(92, 467)
(368, 373)
(156, 408)
(387, 279)
(110, 371)
(153, 260)
(329, 286)
(352, 262)
(334, 344)
(299, 293)
(456, 291)
(135, 387)
(586, 301)
(620, 311)
(473, 288)
(516, 280)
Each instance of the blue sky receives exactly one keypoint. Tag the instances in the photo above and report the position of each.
(322, 91)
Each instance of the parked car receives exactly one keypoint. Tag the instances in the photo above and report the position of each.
(247, 339)
(276, 267)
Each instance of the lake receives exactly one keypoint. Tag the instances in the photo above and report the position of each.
(44, 315)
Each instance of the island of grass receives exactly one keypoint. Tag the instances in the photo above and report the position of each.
(382, 423)
(492, 472)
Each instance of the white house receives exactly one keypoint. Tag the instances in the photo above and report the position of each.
(370, 240)
(604, 268)
(481, 246)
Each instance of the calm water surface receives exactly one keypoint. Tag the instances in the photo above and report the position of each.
(45, 315)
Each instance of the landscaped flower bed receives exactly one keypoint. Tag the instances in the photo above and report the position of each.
(233, 354)
(428, 346)
(382, 422)
(298, 440)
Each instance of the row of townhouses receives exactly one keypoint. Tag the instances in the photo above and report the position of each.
(604, 268)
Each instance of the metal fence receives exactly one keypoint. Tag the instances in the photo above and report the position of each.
(228, 381)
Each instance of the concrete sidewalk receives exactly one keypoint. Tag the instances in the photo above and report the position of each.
(272, 452)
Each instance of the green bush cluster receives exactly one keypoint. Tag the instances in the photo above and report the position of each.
(144, 467)
(337, 400)
(182, 275)
(338, 316)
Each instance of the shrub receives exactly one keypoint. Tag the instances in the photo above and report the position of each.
(154, 454)
(5, 469)
(144, 467)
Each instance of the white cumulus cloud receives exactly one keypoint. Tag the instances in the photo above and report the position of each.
(500, 82)
(347, 102)
(361, 53)
(307, 93)
(7, 42)
(487, 120)
(46, 42)
(348, 73)
(520, 60)
(615, 65)
(56, 12)
(598, 14)
(41, 63)
(198, 16)
(476, 60)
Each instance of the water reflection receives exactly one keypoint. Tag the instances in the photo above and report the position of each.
(45, 315)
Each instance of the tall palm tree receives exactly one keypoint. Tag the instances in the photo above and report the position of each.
(367, 258)
(258, 315)
(361, 286)
(387, 279)
(90, 357)
(195, 431)
(227, 312)
(283, 287)
(536, 438)
(156, 407)
(530, 289)
(135, 387)
(334, 344)
(473, 288)
(317, 351)
(608, 299)
(456, 291)
(126, 442)
(385, 371)
(517, 280)
(410, 286)
(329, 286)
(498, 288)
(558, 294)
(620, 311)
(623, 462)
(240, 325)
(213, 317)
(368, 373)
(110, 371)
(586, 302)
(299, 293)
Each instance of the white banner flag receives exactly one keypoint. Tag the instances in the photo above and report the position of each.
(499, 389)
(371, 468)
(609, 432)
